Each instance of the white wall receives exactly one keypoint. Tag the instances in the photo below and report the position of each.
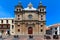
(9, 22)
(53, 30)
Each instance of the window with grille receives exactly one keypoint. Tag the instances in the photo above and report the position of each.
(1, 21)
(6, 21)
(12, 21)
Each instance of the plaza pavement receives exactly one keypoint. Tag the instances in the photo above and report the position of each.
(26, 38)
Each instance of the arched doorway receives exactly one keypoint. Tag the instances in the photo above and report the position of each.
(30, 30)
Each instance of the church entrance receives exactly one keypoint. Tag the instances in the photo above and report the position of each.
(30, 30)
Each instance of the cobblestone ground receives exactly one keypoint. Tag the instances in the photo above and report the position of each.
(26, 38)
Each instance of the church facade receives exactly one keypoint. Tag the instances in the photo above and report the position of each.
(27, 21)
(30, 20)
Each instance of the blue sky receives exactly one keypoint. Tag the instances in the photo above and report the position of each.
(52, 15)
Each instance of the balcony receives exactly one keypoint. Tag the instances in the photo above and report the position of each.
(4, 26)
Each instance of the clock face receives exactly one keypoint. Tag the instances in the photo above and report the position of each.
(30, 16)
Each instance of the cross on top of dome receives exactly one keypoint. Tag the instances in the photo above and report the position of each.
(40, 3)
(19, 3)
(30, 5)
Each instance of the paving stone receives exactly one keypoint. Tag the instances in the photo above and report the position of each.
(27, 38)
(0, 38)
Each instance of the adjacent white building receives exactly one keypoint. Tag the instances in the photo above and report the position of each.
(7, 26)
(55, 29)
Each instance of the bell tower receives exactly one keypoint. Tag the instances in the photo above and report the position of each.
(18, 7)
(18, 17)
(41, 7)
(42, 17)
(18, 11)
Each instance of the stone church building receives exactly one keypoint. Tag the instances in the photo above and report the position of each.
(27, 21)
(30, 20)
